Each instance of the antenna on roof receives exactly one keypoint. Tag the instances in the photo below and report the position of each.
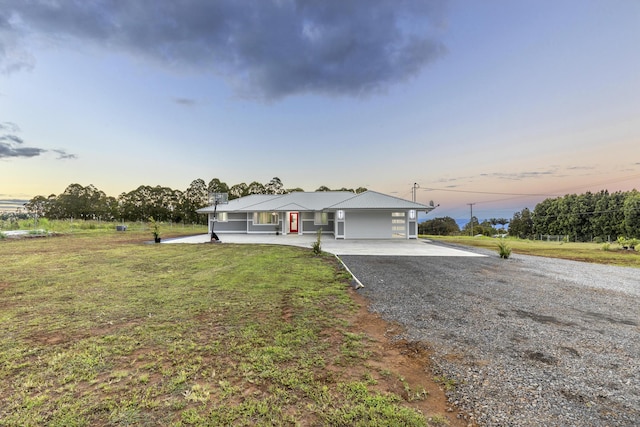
(415, 187)
(431, 207)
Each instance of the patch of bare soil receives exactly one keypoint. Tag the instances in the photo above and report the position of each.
(409, 363)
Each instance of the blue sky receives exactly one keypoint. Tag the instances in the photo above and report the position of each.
(497, 103)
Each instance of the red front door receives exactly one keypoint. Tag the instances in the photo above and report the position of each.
(293, 222)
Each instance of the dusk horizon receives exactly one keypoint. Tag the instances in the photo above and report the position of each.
(498, 105)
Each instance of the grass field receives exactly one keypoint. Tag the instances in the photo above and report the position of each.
(588, 252)
(101, 328)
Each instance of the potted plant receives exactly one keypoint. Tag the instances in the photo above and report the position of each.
(155, 229)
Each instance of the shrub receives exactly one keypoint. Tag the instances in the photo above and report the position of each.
(606, 247)
(317, 249)
(627, 243)
(503, 249)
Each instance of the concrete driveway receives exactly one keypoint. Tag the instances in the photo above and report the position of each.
(392, 247)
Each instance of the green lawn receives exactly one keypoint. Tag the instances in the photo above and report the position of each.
(588, 252)
(100, 328)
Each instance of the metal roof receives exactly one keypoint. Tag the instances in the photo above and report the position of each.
(374, 200)
(314, 201)
(240, 204)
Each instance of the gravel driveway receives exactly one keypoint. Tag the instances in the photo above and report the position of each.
(529, 341)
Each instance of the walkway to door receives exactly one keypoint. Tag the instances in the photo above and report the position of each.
(392, 247)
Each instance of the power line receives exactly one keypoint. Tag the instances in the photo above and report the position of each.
(489, 192)
(557, 194)
(471, 206)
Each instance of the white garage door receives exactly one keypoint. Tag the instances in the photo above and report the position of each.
(368, 225)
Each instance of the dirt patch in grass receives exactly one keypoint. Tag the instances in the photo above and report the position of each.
(412, 375)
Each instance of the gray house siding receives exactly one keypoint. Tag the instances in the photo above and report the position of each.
(412, 229)
(236, 223)
(310, 227)
(230, 227)
(262, 228)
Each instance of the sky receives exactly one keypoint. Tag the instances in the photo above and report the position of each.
(492, 105)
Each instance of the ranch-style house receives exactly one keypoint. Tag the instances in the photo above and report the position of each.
(343, 214)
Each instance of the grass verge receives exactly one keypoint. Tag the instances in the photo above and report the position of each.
(587, 252)
(101, 329)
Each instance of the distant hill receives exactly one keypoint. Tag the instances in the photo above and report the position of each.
(10, 205)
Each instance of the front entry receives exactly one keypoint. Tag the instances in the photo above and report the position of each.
(293, 222)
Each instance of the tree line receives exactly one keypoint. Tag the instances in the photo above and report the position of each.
(582, 217)
(161, 203)
(446, 226)
(588, 216)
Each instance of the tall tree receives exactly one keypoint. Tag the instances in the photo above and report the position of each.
(522, 224)
(144, 202)
(217, 186)
(81, 202)
(238, 190)
(274, 186)
(195, 197)
(439, 226)
(632, 214)
(256, 188)
(471, 228)
(37, 206)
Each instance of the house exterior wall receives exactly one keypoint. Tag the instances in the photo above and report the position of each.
(309, 227)
(355, 224)
(413, 230)
(262, 228)
(236, 223)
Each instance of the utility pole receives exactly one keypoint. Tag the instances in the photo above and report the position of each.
(415, 187)
(471, 206)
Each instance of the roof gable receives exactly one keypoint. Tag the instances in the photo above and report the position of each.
(374, 200)
(314, 201)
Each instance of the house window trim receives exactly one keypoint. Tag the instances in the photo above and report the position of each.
(275, 218)
(321, 214)
(222, 217)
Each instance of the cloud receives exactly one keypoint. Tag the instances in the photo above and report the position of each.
(8, 150)
(266, 49)
(581, 168)
(62, 154)
(11, 139)
(518, 176)
(9, 127)
(13, 56)
(11, 145)
(187, 102)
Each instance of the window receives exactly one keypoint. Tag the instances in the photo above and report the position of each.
(321, 218)
(222, 217)
(398, 223)
(265, 218)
